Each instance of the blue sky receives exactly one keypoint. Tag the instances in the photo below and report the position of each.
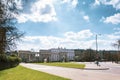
(69, 23)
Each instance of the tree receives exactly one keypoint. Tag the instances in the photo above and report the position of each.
(9, 33)
(89, 55)
(117, 44)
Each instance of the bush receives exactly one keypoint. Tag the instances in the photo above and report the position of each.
(3, 58)
(8, 61)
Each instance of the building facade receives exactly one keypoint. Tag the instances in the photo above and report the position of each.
(28, 56)
(51, 55)
(64, 55)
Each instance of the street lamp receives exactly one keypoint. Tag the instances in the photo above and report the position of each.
(97, 47)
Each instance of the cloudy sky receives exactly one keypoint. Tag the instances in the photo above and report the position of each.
(69, 24)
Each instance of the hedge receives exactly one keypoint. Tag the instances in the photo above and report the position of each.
(8, 61)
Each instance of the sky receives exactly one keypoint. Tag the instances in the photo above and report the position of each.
(71, 24)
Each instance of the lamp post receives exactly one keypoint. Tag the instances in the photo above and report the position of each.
(96, 44)
(97, 56)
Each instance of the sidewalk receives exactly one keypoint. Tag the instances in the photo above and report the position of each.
(93, 66)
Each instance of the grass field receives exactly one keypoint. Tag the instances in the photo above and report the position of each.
(65, 64)
(22, 73)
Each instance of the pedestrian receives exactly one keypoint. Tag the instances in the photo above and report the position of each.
(97, 62)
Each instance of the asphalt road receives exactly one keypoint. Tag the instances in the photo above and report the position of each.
(77, 74)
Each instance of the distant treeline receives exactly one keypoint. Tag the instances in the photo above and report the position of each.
(92, 55)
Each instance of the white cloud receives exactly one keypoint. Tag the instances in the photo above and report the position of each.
(22, 18)
(44, 10)
(73, 3)
(97, 2)
(47, 42)
(117, 31)
(70, 40)
(85, 34)
(83, 39)
(114, 3)
(86, 18)
(41, 11)
(113, 37)
(115, 19)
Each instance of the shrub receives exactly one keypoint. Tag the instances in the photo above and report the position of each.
(8, 61)
(3, 58)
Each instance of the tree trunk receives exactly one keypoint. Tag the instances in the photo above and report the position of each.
(2, 40)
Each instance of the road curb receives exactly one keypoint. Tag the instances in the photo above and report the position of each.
(96, 68)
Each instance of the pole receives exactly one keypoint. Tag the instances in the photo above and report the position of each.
(97, 55)
(96, 48)
(96, 45)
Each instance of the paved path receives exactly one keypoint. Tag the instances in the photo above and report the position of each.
(113, 67)
(93, 66)
(74, 74)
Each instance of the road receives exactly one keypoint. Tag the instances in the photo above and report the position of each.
(79, 74)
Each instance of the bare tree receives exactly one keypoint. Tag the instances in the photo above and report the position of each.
(117, 44)
(9, 33)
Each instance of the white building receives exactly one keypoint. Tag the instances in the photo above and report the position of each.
(51, 55)
(60, 54)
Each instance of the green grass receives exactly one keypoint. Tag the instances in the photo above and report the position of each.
(22, 73)
(65, 64)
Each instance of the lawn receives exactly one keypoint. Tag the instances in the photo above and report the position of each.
(22, 73)
(65, 64)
